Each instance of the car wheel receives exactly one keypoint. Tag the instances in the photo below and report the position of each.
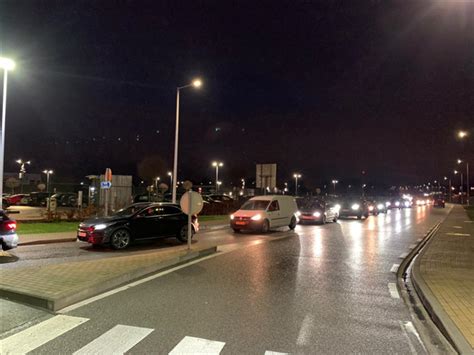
(292, 223)
(359, 217)
(335, 218)
(265, 226)
(182, 235)
(120, 239)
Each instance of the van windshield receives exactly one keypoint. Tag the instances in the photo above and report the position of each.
(255, 205)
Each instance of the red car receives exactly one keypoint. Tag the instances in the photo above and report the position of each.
(439, 202)
(15, 199)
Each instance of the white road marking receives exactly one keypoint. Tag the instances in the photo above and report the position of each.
(305, 330)
(392, 288)
(419, 239)
(404, 330)
(117, 340)
(394, 268)
(412, 246)
(274, 353)
(403, 256)
(39, 334)
(192, 345)
(468, 221)
(459, 234)
(457, 227)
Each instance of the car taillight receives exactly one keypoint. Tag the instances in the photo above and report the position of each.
(10, 225)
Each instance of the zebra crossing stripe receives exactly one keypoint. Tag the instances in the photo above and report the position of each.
(39, 334)
(192, 345)
(117, 340)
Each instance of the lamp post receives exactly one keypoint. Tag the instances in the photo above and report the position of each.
(22, 171)
(334, 182)
(459, 161)
(296, 176)
(462, 134)
(217, 164)
(196, 83)
(5, 64)
(460, 187)
(48, 173)
(170, 174)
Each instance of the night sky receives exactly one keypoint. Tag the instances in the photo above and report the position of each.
(325, 88)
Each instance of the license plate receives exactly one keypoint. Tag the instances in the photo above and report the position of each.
(239, 223)
(82, 234)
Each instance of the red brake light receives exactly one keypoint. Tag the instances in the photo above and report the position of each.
(10, 225)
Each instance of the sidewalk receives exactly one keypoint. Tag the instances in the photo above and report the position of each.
(44, 238)
(443, 275)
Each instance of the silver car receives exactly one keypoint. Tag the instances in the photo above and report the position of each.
(8, 236)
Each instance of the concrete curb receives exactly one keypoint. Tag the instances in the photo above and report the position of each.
(435, 310)
(54, 304)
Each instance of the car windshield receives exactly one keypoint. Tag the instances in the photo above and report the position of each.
(255, 205)
(128, 211)
(309, 204)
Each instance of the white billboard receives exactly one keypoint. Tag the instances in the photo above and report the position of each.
(266, 176)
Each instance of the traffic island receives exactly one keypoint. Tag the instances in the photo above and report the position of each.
(54, 287)
(443, 276)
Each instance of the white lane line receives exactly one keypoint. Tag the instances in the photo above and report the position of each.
(403, 256)
(468, 221)
(39, 334)
(457, 227)
(392, 288)
(412, 246)
(394, 268)
(274, 353)
(305, 330)
(117, 340)
(419, 240)
(192, 345)
(459, 234)
(405, 332)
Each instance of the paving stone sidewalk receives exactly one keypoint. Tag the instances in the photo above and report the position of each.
(447, 267)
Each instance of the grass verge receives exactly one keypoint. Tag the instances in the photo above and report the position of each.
(223, 218)
(53, 227)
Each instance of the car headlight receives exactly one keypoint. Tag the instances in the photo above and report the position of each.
(355, 206)
(298, 213)
(380, 206)
(317, 214)
(397, 203)
(257, 217)
(371, 208)
(232, 216)
(407, 204)
(100, 227)
(337, 207)
(387, 203)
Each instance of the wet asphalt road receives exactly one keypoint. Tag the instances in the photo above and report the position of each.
(324, 289)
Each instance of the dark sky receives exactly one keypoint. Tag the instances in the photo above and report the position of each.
(326, 88)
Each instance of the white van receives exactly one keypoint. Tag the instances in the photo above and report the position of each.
(265, 212)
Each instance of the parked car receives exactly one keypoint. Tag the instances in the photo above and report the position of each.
(353, 207)
(137, 222)
(16, 199)
(220, 198)
(265, 212)
(312, 210)
(65, 199)
(38, 198)
(8, 236)
(439, 202)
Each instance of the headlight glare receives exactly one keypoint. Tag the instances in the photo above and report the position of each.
(100, 227)
(317, 214)
(355, 206)
(380, 206)
(257, 217)
(232, 216)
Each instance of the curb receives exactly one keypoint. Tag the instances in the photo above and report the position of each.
(54, 304)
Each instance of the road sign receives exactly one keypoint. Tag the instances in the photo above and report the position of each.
(193, 199)
(105, 184)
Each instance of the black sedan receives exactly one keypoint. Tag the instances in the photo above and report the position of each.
(354, 208)
(316, 211)
(140, 221)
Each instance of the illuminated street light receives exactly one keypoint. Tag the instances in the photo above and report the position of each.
(296, 176)
(22, 167)
(334, 182)
(5, 64)
(47, 172)
(462, 134)
(170, 174)
(217, 164)
(459, 161)
(196, 83)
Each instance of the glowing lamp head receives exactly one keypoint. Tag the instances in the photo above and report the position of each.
(197, 83)
(7, 64)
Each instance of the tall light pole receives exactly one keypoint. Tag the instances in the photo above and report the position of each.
(460, 188)
(296, 176)
(217, 164)
(459, 161)
(5, 64)
(334, 182)
(170, 174)
(22, 171)
(47, 172)
(197, 84)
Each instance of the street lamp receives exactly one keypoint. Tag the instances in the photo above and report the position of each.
(5, 64)
(47, 172)
(22, 171)
(334, 182)
(467, 181)
(217, 164)
(296, 176)
(170, 174)
(197, 83)
(462, 134)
